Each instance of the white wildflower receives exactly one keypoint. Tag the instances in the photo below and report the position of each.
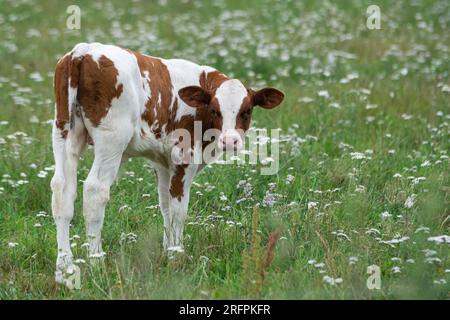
(432, 260)
(426, 163)
(312, 205)
(385, 215)
(223, 197)
(396, 270)
(289, 179)
(12, 244)
(323, 93)
(440, 239)
(358, 156)
(422, 229)
(319, 265)
(440, 281)
(332, 281)
(409, 203)
(42, 174)
(395, 240)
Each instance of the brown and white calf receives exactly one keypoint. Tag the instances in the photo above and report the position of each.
(126, 104)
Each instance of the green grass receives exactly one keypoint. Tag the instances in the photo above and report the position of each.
(301, 47)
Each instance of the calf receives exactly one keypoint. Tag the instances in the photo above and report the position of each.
(127, 104)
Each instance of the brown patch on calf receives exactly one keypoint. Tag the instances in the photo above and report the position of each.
(67, 70)
(157, 108)
(210, 116)
(176, 182)
(74, 71)
(61, 93)
(244, 115)
(211, 81)
(97, 87)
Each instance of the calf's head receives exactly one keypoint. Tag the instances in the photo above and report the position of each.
(229, 108)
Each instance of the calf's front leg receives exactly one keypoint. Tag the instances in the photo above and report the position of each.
(180, 185)
(163, 180)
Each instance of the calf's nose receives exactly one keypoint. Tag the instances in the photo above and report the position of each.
(229, 142)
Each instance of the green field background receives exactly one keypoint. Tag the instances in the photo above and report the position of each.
(364, 165)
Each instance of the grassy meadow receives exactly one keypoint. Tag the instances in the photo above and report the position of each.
(364, 157)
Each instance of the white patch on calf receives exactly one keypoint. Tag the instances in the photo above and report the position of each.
(230, 96)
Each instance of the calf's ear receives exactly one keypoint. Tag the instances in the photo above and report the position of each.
(195, 96)
(267, 98)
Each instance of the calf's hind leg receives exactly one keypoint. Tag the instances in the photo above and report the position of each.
(67, 151)
(108, 155)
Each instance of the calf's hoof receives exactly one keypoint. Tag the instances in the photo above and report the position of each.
(174, 251)
(68, 276)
